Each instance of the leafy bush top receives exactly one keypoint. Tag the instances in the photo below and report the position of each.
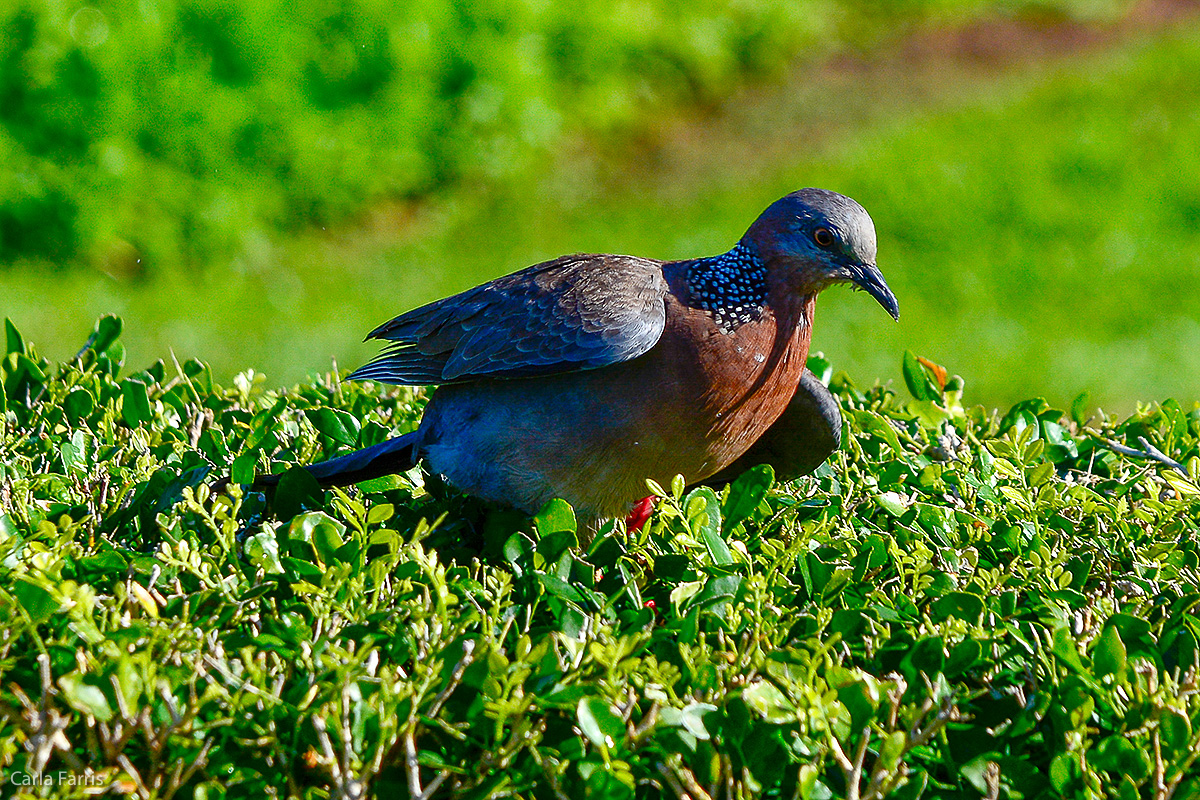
(960, 602)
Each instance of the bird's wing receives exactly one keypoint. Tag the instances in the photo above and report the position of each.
(575, 312)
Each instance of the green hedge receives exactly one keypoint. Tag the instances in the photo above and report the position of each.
(158, 136)
(959, 603)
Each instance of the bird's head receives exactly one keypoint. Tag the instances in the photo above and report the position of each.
(817, 238)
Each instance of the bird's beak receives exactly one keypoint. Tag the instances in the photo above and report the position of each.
(868, 278)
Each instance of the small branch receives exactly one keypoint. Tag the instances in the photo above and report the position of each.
(991, 776)
(646, 725)
(344, 786)
(673, 782)
(181, 777)
(414, 767)
(689, 781)
(455, 678)
(839, 755)
(1150, 452)
(127, 766)
(550, 776)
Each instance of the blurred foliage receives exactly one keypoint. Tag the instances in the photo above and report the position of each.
(960, 603)
(171, 131)
(147, 136)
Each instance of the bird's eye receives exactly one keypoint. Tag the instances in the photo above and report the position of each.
(823, 237)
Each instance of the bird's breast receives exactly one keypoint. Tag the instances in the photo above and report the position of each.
(741, 381)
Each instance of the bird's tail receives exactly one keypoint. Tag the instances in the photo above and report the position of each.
(385, 458)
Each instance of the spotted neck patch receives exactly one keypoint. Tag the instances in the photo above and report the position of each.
(733, 286)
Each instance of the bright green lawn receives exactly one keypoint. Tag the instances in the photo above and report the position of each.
(1042, 232)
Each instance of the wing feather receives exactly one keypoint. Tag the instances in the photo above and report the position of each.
(575, 312)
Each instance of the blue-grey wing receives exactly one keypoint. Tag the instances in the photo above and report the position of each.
(575, 312)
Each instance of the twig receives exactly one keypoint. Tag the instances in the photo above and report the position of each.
(345, 787)
(455, 678)
(414, 771)
(550, 776)
(991, 777)
(181, 777)
(1160, 785)
(1150, 452)
(127, 766)
(689, 782)
(673, 782)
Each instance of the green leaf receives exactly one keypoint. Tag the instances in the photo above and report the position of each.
(599, 722)
(15, 344)
(963, 605)
(264, 422)
(1109, 656)
(704, 518)
(1064, 771)
(820, 367)
(298, 491)
(1062, 645)
(25, 379)
(915, 378)
(929, 412)
(335, 426)
(1119, 756)
(380, 513)
(692, 718)
(84, 697)
(746, 493)
(518, 550)
(557, 587)
(1176, 731)
(327, 540)
(770, 703)
(384, 483)
(263, 549)
(108, 328)
(304, 571)
(38, 601)
(878, 425)
(79, 405)
(963, 656)
(925, 658)
(135, 405)
(322, 531)
(861, 699)
(242, 469)
(684, 592)
(891, 749)
(1079, 408)
(718, 589)
(74, 452)
(555, 516)
(975, 771)
(199, 375)
(551, 547)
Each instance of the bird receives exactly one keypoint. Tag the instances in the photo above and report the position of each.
(583, 376)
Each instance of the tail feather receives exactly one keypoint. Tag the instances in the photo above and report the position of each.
(385, 458)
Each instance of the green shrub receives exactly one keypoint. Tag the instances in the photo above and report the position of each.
(960, 602)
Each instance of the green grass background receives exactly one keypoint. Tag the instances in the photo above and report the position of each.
(1040, 223)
